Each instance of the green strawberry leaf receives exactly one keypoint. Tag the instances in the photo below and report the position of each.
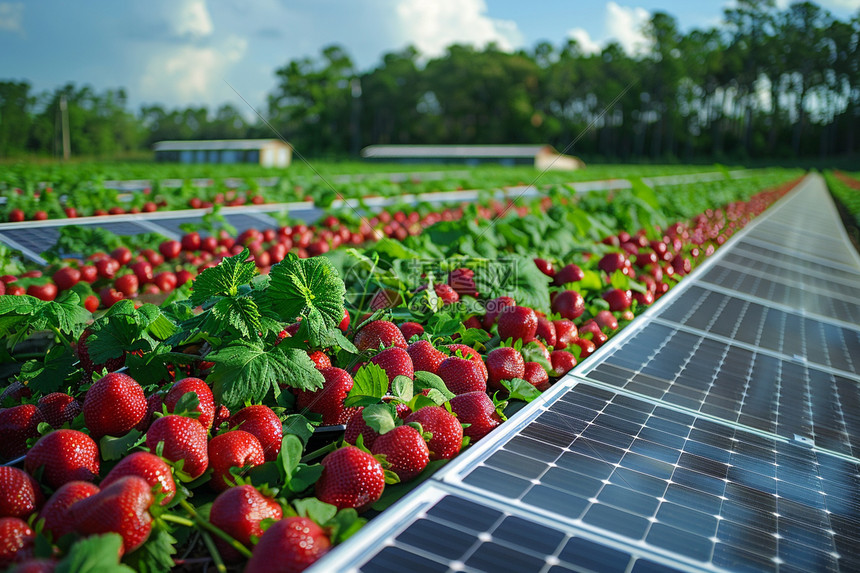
(619, 280)
(238, 313)
(300, 286)
(21, 315)
(305, 477)
(95, 554)
(381, 418)
(401, 388)
(289, 456)
(425, 380)
(157, 553)
(113, 448)
(370, 384)
(48, 375)
(314, 509)
(343, 525)
(299, 426)
(521, 390)
(224, 279)
(534, 352)
(266, 474)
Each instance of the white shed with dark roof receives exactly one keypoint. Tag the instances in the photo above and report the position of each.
(264, 152)
(541, 156)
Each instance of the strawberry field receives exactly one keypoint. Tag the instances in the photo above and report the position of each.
(249, 400)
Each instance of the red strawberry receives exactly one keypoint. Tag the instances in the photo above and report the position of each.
(473, 322)
(329, 400)
(261, 422)
(565, 333)
(20, 495)
(504, 363)
(586, 347)
(410, 329)
(379, 332)
(494, 308)
(590, 329)
(462, 375)
(148, 466)
(605, 319)
(358, 427)
(562, 362)
(536, 375)
(545, 267)
(446, 431)
(66, 455)
(425, 356)
(17, 425)
(546, 331)
(320, 359)
(385, 298)
(446, 294)
(59, 408)
(88, 365)
(569, 304)
(477, 410)
(234, 449)
(396, 362)
(540, 346)
(292, 544)
(153, 404)
(344, 323)
(238, 511)
(618, 299)
(114, 405)
(568, 274)
(16, 541)
(56, 510)
(204, 395)
(122, 507)
(222, 414)
(518, 323)
(184, 439)
(463, 281)
(350, 478)
(405, 450)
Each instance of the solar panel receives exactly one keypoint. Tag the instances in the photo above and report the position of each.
(34, 238)
(700, 492)
(793, 276)
(809, 263)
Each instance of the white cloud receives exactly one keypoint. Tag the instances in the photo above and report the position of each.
(192, 19)
(433, 26)
(626, 26)
(11, 16)
(584, 41)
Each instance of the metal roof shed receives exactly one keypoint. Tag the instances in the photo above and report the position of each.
(542, 156)
(265, 152)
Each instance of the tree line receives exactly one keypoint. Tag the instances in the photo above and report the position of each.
(764, 83)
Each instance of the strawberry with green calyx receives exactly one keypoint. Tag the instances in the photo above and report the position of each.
(262, 422)
(478, 411)
(517, 322)
(184, 442)
(379, 333)
(320, 359)
(16, 541)
(494, 309)
(562, 362)
(114, 405)
(395, 362)
(566, 332)
(65, 455)
(536, 375)
(222, 415)
(59, 408)
(289, 546)
(351, 477)
(358, 426)
(20, 494)
(425, 357)
(205, 400)
(462, 375)
(329, 402)
(233, 449)
(444, 429)
(148, 466)
(410, 329)
(591, 330)
(467, 352)
(240, 512)
(56, 510)
(546, 331)
(405, 450)
(17, 425)
(122, 507)
(504, 363)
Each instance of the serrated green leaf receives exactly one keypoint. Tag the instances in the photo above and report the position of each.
(314, 509)
(521, 390)
(534, 352)
(401, 388)
(224, 279)
(156, 555)
(370, 384)
(298, 286)
(94, 554)
(380, 417)
(112, 448)
(425, 380)
(619, 280)
(240, 314)
(48, 375)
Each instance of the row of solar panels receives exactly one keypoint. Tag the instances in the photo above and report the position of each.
(719, 432)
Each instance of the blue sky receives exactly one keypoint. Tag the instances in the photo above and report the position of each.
(180, 52)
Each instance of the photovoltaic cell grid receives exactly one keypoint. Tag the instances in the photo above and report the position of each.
(38, 239)
(709, 495)
(786, 258)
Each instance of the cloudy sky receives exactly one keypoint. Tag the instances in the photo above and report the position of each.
(181, 52)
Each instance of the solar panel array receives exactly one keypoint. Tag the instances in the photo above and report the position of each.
(719, 432)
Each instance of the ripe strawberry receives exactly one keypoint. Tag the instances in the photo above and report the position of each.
(565, 333)
(91, 303)
(66, 455)
(20, 495)
(446, 431)
(618, 299)
(379, 332)
(204, 395)
(344, 323)
(476, 409)
(586, 347)
(238, 511)
(16, 541)
(261, 422)
(405, 450)
(463, 281)
(446, 294)
(396, 362)
(153, 404)
(462, 375)
(569, 304)
(545, 267)
(518, 322)
(358, 427)
(350, 478)
(294, 544)
(605, 319)
(612, 262)
(644, 298)
(546, 331)
(148, 466)
(222, 414)
(410, 329)
(234, 449)
(122, 507)
(562, 362)
(17, 425)
(127, 284)
(114, 405)
(590, 329)
(46, 292)
(494, 308)
(329, 400)
(88, 365)
(59, 408)
(66, 278)
(568, 274)
(425, 356)
(503, 363)
(320, 359)
(536, 376)
(56, 510)
(184, 439)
